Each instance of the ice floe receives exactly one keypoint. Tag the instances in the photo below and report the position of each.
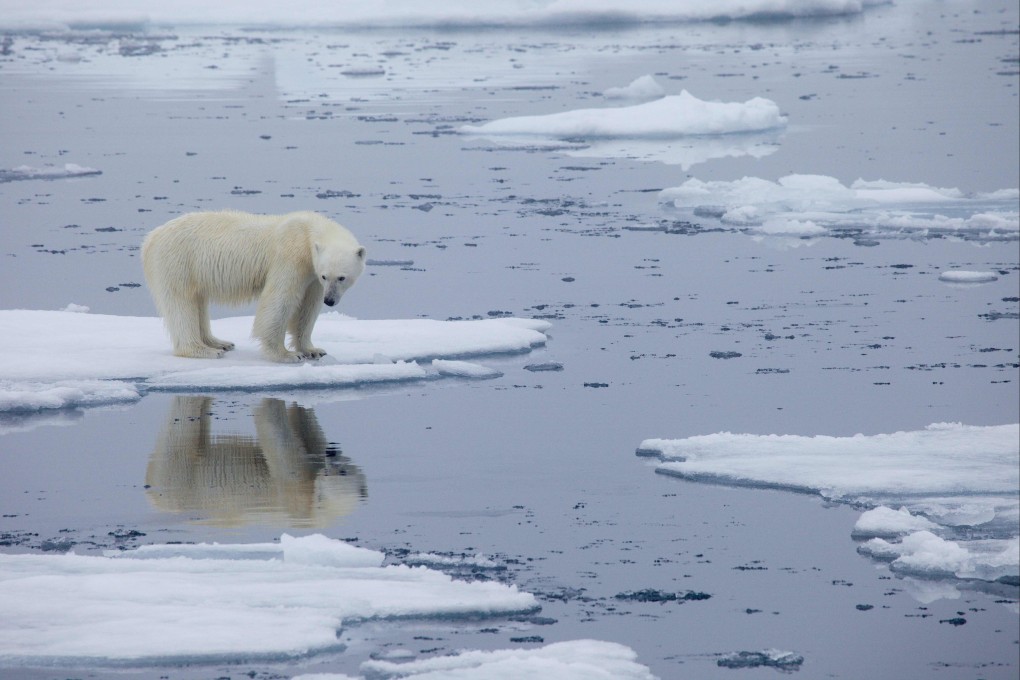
(573, 660)
(812, 205)
(946, 496)
(191, 603)
(58, 359)
(23, 172)
(56, 13)
(961, 276)
(673, 116)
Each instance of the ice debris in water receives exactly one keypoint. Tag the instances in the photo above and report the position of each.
(464, 369)
(25, 172)
(772, 658)
(810, 205)
(190, 603)
(961, 276)
(573, 660)
(945, 480)
(644, 87)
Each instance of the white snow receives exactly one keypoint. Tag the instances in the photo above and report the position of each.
(58, 359)
(672, 116)
(944, 479)
(644, 87)
(319, 13)
(573, 660)
(961, 276)
(791, 202)
(179, 603)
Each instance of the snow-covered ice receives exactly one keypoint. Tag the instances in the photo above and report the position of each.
(57, 359)
(809, 205)
(319, 13)
(573, 660)
(948, 478)
(243, 601)
(673, 116)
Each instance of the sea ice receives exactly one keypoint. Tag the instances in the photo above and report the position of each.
(813, 204)
(644, 87)
(673, 116)
(946, 478)
(464, 369)
(180, 603)
(59, 359)
(573, 660)
(960, 276)
(23, 172)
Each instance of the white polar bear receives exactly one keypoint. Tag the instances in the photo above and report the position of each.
(289, 262)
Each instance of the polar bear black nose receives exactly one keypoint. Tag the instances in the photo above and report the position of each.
(330, 301)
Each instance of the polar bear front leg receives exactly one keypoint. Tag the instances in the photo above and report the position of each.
(303, 321)
(277, 305)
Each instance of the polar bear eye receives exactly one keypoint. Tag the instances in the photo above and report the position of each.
(323, 277)
(341, 278)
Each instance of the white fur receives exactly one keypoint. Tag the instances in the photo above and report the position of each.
(288, 262)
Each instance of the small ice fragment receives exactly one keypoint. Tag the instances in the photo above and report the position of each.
(464, 369)
(773, 658)
(544, 366)
(961, 276)
(79, 309)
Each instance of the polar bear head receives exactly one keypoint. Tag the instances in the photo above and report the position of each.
(338, 261)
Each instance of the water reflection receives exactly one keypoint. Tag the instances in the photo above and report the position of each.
(287, 474)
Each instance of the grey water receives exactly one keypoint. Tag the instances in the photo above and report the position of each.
(536, 469)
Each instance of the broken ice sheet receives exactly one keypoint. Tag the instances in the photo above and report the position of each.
(207, 602)
(948, 478)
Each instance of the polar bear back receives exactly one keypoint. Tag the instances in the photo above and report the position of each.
(226, 256)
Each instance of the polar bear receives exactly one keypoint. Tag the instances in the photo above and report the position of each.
(289, 262)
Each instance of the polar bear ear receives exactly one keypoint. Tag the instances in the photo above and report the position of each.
(361, 252)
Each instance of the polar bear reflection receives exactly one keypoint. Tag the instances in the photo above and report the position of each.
(288, 474)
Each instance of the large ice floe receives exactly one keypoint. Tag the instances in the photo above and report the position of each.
(675, 130)
(374, 13)
(178, 603)
(815, 205)
(60, 359)
(942, 502)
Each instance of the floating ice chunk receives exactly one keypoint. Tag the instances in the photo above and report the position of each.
(478, 560)
(778, 226)
(217, 602)
(45, 356)
(72, 307)
(925, 554)
(644, 87)
(869, 205)
(673, 116)
(464, 369)
(573, 660)
(960, 276)
(886, 522)
(24, 172)
(772, 658)
(942, 458)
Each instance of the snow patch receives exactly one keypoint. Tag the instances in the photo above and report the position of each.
(644, 87)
